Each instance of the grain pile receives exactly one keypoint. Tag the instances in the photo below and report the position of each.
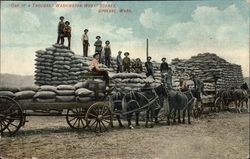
(209, 67)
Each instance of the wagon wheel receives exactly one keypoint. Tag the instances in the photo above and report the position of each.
(219, 104)
(11, 116)
(198, 109)
(99, 117)
(76, 118)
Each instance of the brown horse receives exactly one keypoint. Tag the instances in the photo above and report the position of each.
(240, 96)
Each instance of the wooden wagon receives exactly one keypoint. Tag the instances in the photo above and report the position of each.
(95, 115)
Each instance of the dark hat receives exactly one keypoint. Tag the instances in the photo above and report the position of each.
(67, 22)
(107, 42)
(86, 30)
(126, 53)
(61, 17)
(95, 55)
(98, 37)
(164, 58)
(119, 51)
(149, 57)
(138, 59)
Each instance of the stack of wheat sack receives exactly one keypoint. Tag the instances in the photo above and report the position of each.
(61, 65)
(76, 67)
(46, 94)
(209, 68)
(128, 81)
(65, 93)
(44, 62)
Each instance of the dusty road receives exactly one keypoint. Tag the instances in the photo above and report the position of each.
(218, 136)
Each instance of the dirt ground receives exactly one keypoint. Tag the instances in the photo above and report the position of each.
(223, 135)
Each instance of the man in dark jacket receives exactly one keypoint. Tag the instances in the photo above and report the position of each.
(126, 62)
(198, 85)
(67, 33)
(150, 68)
(60, 29)
(164, 66)
(98, 48)
(119, 62)
(107, 53)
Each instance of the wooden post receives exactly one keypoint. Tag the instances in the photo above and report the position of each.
(146, 49)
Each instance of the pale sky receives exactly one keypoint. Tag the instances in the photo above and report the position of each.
(174, 29)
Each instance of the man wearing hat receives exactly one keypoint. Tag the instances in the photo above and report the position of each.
(138, 65)
(198, 85)
(66, 33)
(85, 43)
(183, 76)
(164, 66)
(167, 78)
(149, 67)
(95, 69)
(119, 62)
(98, 48)
(126, 62)
(107, 53)
(60, 29)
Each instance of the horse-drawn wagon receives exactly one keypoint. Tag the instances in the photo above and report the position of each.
(95, 115)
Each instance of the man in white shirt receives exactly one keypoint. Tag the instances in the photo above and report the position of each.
(85, 42)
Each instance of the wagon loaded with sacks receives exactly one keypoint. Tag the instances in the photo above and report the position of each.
(83, 105)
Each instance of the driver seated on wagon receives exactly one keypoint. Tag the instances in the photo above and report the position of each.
(95, 69)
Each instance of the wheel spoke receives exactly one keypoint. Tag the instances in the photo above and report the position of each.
(95, 111)
(106, 117)
(104, 125)
(92, 115)
(105, 112)
(102, 110)
(96, 125)
(13, 125)
(83, 125)
(72, 119)
(93, 123)
(78, 123)
(75, 122)
(106, 120)
(100, 127)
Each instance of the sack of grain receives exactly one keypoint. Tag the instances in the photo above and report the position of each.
(41, 100)
(83, 99)
(83, 92)
(80, 85)
(9, 88)
(65, 98)
(48, 88)
(65, 92)
(7, 94)
(65, 87)
(25, 94)
(45, 95)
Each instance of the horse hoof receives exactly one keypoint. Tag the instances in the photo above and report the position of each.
(121, 126)
(179, 122)
(151, 126)
(131, 127)
(189, 122)
(183, 122)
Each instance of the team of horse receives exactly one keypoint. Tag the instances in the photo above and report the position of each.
(153, 99)
(238, 96)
